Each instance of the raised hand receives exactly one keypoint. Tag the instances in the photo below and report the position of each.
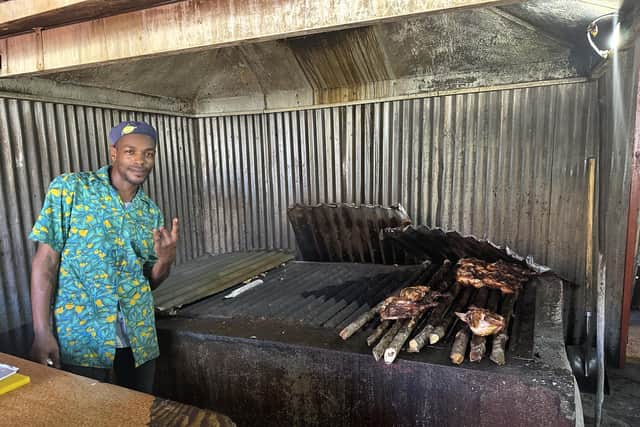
(164, 242)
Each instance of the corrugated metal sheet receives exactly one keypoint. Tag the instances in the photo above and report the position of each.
(509, 166)
(41, 140)
(436, 245)
(617, 90)
(347, 233)
(209, 275)
(505, 165)
(330, 295)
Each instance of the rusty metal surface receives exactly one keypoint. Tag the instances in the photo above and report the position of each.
(318, 294)
(616, 89)
(404, 57)
(502, 165)
(268, 372)
(19, 18)
(506, 165)
(209, 275)
(40, 140)
(436, 245)
(332, 295)
(347, 233)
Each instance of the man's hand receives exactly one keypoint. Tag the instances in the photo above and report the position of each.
(45, 349)
(164, 243)
(44, 277)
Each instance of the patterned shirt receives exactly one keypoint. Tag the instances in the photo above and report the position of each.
(105, 249)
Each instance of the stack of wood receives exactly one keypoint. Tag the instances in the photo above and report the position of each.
(436, 308)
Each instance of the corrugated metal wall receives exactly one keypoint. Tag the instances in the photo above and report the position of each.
(617, 91)
(508, 165)
(41, 140)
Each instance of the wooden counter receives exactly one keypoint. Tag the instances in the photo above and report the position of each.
(59, 398)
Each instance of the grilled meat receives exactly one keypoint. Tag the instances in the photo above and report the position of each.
(401, 308)
(482, 321)
(502, 275)
(414, 293)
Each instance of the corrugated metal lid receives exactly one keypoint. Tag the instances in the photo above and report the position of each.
(209, 275)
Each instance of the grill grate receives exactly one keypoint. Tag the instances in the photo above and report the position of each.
(313, 294)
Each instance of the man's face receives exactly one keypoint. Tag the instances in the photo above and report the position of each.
(133, 158)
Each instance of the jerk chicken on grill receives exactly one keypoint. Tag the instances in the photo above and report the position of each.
(410, 302)
(505, 276)
(481, 321)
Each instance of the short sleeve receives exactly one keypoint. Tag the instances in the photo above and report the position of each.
(52, 225)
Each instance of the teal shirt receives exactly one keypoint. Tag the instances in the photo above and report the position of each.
(105, 249)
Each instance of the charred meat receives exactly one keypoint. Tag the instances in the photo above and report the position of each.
(402, 308)
(414, 293)
(482, 321)
(502, 275)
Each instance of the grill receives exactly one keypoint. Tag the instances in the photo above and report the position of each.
(272, 356)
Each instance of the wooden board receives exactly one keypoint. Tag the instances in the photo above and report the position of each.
(59, 398)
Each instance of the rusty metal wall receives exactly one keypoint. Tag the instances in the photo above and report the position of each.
(508, 165)
(41, 140)
(617, 92)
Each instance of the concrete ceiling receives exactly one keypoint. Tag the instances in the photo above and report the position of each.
(516, 43)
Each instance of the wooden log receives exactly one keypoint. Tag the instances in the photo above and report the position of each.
(417, 342)
(366, 317)
(500, 341)
(460, 304)
(377, 333)
(362, 320)
(379, 349)
(438, 282)
(459, 347)
(479, 344)
(477, 348)
(398, 341)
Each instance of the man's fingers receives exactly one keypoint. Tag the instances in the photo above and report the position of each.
(175, 229)
(156, 234)
(55, 358)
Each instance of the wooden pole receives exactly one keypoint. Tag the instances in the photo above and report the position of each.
(478, 343)
(377, 333)
(459, 347)
(500, 340)
(362, 320)
(398, 341)
(460, 304)
(416, 344)
(380, 348)
(600, 320)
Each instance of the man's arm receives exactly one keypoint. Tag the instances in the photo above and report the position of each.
(44, 277)
(164, 243)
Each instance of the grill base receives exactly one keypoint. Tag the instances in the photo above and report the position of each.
(273, 357)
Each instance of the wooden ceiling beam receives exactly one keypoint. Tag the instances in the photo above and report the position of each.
(191, 25)
(20, 16)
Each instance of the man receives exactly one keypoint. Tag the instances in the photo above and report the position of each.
(103, 242)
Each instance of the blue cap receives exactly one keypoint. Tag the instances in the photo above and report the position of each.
(128, 127)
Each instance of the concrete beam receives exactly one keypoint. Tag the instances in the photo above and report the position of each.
(193, 25)
(19, 16)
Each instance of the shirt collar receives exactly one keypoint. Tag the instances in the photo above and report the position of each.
(103, 175)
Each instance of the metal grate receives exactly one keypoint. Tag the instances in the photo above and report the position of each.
(208, 275)
(313, 294)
